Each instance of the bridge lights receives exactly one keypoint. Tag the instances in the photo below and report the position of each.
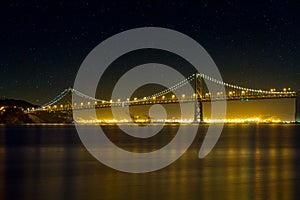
(81, 104)
(183, 96)
(173, 96)
(135, 99)
(163, 97)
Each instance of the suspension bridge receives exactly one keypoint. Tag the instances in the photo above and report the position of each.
(166, 96)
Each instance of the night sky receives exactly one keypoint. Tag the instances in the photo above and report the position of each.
(42, 45)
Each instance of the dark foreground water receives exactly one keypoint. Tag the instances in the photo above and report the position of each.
(248, 162)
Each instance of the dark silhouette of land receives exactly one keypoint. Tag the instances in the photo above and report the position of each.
(12, 112)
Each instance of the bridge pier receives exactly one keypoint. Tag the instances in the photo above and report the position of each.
(297, 108)
(198, 110)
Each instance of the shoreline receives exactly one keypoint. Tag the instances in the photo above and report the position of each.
(145, 124)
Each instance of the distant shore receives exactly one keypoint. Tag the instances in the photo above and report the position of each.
(145, 124)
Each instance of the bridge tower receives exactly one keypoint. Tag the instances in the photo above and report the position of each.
(198, 110)
(297, 109)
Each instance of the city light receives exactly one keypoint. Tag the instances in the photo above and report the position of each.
(137, 119)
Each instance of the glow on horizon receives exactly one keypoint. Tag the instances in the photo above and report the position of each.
(183, 121)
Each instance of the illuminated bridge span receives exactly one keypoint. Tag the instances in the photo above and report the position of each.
(233, 92)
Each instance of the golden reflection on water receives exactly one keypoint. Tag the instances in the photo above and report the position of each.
(248, 162)
(273, 166)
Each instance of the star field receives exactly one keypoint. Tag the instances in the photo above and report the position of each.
(254, 44)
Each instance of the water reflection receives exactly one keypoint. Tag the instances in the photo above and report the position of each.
(249, 161)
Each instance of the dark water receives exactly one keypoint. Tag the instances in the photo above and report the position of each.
(248, 162)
